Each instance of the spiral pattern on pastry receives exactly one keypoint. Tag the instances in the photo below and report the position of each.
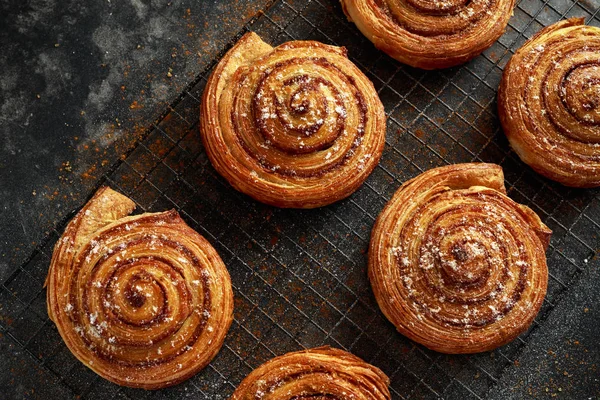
(430, 34)
(549, 103)
(144, 301)
(455, 264)
(319, 373)
(297, 126)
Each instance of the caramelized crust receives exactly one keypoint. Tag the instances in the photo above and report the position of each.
(430, 34)
(293, 126)
(549, 103)
(144, 301)
(455, 264)
(320, 373)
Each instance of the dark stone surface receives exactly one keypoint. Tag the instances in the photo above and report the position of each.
(22, 378)
(80, 81)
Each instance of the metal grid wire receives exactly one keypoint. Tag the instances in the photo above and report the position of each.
(300, 276)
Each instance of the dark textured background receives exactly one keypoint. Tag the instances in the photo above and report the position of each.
(106, 73)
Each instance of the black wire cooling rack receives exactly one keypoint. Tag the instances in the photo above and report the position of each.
(300, 276)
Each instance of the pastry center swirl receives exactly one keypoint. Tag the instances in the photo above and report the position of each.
(582, 93)
(465, 264)
(137, 293)
(462, 264)
(308, 116)
(142, 292)
(299, 115)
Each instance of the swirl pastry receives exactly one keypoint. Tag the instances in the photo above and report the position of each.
(144, 301)
(430, 34)
(293, 126)
(319, 373)
(455, 264)
(549, 103)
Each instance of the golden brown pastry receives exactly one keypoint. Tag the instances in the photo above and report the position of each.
(455, 264)
(549, 103)
(319, 373)
(293, 126)
(144, 300)
(430, 34)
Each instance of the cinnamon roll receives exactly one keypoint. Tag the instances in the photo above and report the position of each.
(430, 34)
(455, 264)
(320, 373)
(144, 301)
(298, 125)
(549, 103)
